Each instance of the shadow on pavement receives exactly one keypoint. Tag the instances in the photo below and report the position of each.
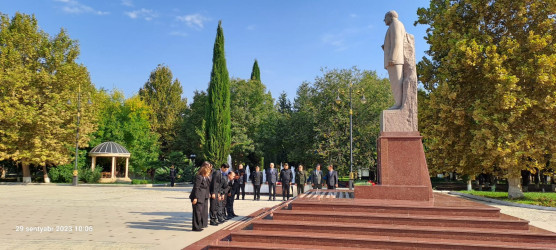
(177, 221)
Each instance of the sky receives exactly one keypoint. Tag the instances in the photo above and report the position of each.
(123, 41)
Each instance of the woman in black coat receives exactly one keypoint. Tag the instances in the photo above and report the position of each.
(199, 195)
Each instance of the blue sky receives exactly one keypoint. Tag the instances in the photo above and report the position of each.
(122, 41)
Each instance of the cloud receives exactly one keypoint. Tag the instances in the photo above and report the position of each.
(343, 39)
(178, 33)
(335, 40)
(196, 21)
(74, 7)
(146, 14)
(251, 27)
(353, 15)
(128, 3)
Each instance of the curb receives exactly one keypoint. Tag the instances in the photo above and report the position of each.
(506, 203)
(181, 184)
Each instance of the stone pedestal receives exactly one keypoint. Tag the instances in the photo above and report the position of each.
(402, 169)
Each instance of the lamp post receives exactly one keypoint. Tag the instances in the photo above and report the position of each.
(75, 172)
(338, 100)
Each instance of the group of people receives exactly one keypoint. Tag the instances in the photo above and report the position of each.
(220, 188)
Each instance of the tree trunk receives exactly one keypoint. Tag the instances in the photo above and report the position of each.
(514, 188)
(46, 179)
(469, 186)
(26, 173)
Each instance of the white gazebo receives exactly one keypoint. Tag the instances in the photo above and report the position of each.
(111, 149)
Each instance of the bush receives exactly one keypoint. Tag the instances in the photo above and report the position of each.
(89, 176)
(140, 181)
(61, 174)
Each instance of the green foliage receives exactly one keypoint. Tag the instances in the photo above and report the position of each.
(38, 75)
(256, 72)
(136, 182)
(218, 117)
(127, 123)
(531, 198)
(62, 173)
(163, 96)
(489, 81)
(191, 131)
(90, 176)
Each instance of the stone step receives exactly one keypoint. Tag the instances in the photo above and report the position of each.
(455, 233)
(335, 218)
(233, 245)
(395, 209)
(333, 239)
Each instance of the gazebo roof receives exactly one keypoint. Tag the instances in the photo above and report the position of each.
(109, 149)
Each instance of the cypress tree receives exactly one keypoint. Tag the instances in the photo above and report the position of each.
(218, 134)
(256, 73)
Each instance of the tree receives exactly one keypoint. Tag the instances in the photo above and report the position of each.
(218, 120)
(190, 124)
(127, 122)
(163, 95)
(256, 73)
(38, 75)
(490, 80)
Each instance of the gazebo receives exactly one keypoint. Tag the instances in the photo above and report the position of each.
(111, 149)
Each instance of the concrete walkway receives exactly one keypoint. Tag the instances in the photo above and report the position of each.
(102, 217)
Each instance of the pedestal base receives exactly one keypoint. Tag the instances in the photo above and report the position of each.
(402, 169)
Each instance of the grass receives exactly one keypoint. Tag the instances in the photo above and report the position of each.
(531, 198)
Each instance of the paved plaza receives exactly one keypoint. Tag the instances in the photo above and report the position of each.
(114, 217)
(103, 217)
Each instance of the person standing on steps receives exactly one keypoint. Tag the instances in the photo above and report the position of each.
(300, 179)
(286, 177)
(332, 180)
(316, 178)
(271, 179)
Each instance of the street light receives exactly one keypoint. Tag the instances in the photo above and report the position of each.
(75, 172)
(338, 101)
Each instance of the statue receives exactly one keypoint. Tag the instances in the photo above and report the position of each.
(394, 55)
(399, 60)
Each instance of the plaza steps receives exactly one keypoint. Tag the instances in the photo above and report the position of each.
(335, 223)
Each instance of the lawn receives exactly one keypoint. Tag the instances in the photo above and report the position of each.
(531, 198)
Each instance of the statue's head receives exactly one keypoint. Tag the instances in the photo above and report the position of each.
(389, 17)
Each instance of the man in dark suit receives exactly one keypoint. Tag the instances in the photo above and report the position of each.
(286, 177)
(257, 180)
(233, 185)
(271, 179)
(242, 179)
(172, 175)
(216, 193)
(316, 178)
(222, 217)
(332, 180)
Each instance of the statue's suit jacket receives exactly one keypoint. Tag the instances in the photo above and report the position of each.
(393, 43)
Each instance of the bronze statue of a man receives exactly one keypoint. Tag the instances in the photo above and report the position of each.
(393, 55)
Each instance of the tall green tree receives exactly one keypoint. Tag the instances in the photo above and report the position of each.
(127, 122)
(490, 80)
(191, 133)
(256, 72)
(218, 117)
(163, 94)
(38, 75)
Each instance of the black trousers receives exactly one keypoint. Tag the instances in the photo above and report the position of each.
(271, 190)
(222, 209)
(257, 192)
(317, 186)
(172, 181)
(230, 205)
(300, 188)
(331, 187)
(286, 190)
(242, 188)
(205, 214)
(197, 219)
(214, 209)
